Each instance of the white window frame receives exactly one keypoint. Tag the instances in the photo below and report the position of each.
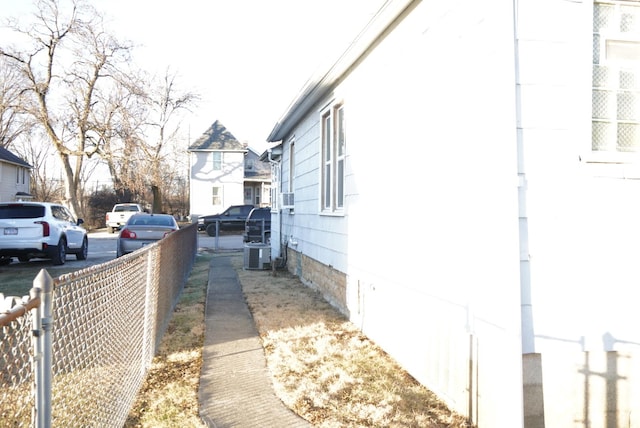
(216, 164)
(333, 159)
(612, 152)
(275, 186)
(292, 164)
(216, 194)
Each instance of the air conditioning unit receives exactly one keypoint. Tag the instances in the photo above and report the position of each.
(287, 200)
(257, 256)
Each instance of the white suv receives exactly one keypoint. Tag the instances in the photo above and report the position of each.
(40, 229)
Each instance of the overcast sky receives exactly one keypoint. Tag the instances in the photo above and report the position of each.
(247, 58)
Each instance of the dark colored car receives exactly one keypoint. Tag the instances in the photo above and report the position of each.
(233, 217)
(258, 225)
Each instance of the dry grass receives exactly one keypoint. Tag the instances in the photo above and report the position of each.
(325, 369)
(169, 396)
(322, 367)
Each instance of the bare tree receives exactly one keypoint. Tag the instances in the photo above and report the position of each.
(167, 102)
(12, 101)
(46, 185)
(118, 125)
(70, 58)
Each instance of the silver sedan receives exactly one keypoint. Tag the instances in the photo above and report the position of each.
(144, 229)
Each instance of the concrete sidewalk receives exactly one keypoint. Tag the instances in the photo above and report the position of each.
(235, 389)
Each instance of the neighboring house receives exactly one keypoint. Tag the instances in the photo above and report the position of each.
(15, 177)
(225, 172)
(464, 184)
(257, 180)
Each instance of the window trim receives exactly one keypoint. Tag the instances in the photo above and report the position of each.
(604, 36)
(292, 165)
(331, 161)
(219, 195)
(215, 162)
(275, 186)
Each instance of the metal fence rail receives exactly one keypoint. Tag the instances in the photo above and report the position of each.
(105, 325)
(17, 382)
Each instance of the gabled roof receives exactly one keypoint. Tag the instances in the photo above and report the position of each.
(7, 156)
(217, 138)
(261, 170)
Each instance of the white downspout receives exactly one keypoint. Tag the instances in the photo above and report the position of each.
(526, 305)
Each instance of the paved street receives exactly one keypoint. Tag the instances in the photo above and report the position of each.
(102, 248)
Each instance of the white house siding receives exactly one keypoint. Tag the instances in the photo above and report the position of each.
(320, 237)
(583, 227)
(8, 182)
(429, 239)
(204, 178)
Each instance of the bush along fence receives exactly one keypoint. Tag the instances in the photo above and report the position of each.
(75, 352)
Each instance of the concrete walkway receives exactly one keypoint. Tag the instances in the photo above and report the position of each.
(235, 389)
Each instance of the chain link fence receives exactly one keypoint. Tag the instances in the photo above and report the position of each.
(78, 354)
(17, 382)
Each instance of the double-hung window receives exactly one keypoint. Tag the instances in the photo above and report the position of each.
(216, 195)
(292, 164)
(333, 150)
(217, 161)
(616, 77)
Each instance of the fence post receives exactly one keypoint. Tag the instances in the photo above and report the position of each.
(215, 244)
(42, 336)
(148, 336)
(36, 334)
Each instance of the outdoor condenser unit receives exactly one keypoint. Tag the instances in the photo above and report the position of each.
(257, 256)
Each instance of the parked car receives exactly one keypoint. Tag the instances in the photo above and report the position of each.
(119, 215)
(233, 217)
(258, 225)
(144, 229)
(40, 230)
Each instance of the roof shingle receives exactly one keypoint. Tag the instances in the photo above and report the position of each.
(217, 138)
(7, 156)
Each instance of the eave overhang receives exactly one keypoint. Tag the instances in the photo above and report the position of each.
(322, 83)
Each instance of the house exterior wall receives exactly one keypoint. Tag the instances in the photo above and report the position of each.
(9, 184)
(203, 178)
(583, 227)
(437, 287)
(482, 115)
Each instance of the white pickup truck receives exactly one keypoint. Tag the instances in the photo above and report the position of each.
(120, 214)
